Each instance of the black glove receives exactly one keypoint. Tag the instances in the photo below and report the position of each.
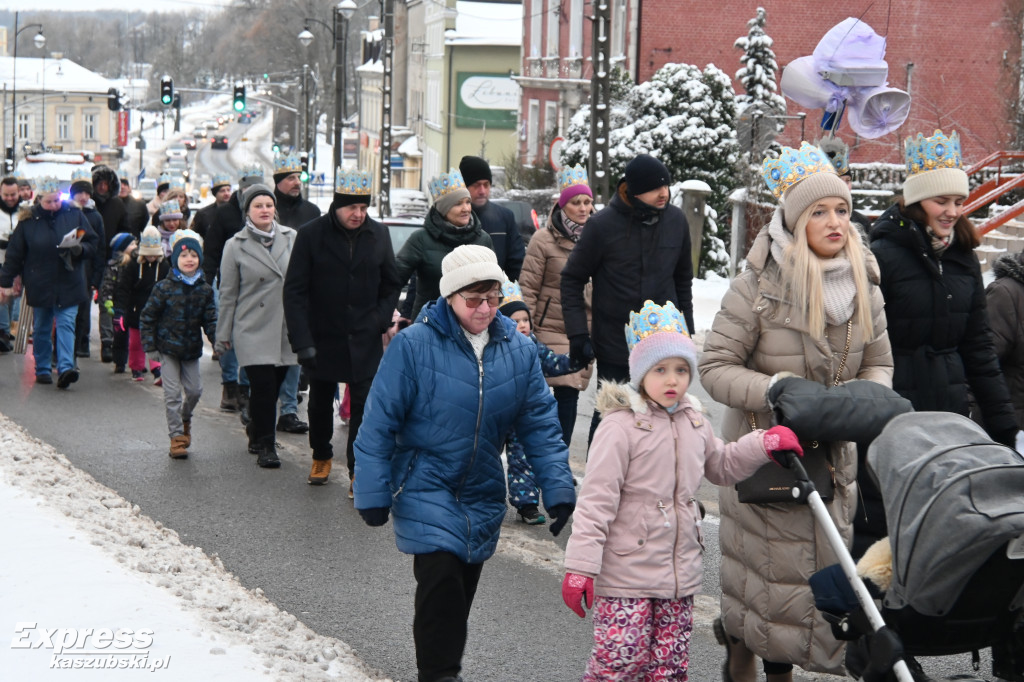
(376, 516)
(307, 358)
(581, 351)
(560, 513)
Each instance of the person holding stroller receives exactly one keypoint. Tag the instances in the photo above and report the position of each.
(808, 304)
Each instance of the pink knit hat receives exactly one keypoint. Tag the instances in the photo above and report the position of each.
(572, 182)
(654, 334)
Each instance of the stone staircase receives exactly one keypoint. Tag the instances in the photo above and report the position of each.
(1009, 238)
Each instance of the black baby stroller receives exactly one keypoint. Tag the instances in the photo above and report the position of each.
(954, 503)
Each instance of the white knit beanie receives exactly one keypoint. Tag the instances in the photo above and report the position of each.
(940, 182)
(466, 265)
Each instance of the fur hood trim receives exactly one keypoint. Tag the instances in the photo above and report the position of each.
(613, 397)
(1010, 265)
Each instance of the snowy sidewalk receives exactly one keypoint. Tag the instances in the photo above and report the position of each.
(87, 581)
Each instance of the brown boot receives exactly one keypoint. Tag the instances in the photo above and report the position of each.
(178, 447)
(188, 432)
(321, 470)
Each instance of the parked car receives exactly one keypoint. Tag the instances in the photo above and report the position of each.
(526, 217)
(199, 133)
(189, 142)
(219, 142)
(177, 150)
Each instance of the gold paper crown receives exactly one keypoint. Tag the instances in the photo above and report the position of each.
(654, 318)
(510, 291)
(47, 185)
(353, 182)
(923, 154)
(177, 182)
(794, 165)
(287, 163)
(81, 175)
(567, 177)
(446, 183)
(171, 207)
(220, 179)
(253, 170)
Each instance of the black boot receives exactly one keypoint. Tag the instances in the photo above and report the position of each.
(107, 352)
(268, 454)
(254, 448)
(242, 396)
(229, 396)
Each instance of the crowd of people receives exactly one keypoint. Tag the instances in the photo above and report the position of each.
(498, 340)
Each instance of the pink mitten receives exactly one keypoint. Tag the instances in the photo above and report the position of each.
(779, 438)
(575, 588)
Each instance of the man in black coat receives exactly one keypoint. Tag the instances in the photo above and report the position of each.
(106, 188)
(343, 264)
(292, 210)
(636, 248)
(136, 214)
(81, 191)
(497, 221)
(220, 188)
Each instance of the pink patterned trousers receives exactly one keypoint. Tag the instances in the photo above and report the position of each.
(646, 640)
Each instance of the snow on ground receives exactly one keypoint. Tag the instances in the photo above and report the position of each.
(77, 556)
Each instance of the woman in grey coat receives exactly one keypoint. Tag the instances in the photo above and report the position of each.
(251, 318)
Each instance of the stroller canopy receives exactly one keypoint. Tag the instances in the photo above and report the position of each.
(952, 498)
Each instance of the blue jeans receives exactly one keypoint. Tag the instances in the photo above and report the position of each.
(289, 393)
(9, 311)
(42, 348)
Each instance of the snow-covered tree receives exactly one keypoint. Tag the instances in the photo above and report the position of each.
(685, 117)
(759, 67)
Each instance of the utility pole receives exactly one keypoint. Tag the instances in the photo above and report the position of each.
(387, 12)
(600, 96)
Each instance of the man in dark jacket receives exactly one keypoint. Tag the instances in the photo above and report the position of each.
(9, 204)
(136, 214)
(342, 263)
(53, 275)
(220, 188)
(497, 221)
(106, 191)
(636, 248)
(81, 197)
(292, 210)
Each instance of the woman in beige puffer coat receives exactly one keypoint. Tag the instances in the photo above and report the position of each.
(769, 551)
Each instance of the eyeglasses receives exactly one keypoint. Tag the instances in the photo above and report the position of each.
(492, 300)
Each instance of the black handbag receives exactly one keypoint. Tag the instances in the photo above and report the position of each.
(772, 484)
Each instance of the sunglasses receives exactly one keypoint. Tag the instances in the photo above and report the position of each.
(493, 300)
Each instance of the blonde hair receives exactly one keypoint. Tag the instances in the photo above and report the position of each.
(805, 283)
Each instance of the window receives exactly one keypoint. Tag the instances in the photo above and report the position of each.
(575, 28)
(550, 120)
(553, 14)
(89, 131)
(618, 28)
(24, 127)
(535, 26)
(64, 126)
(533, 131)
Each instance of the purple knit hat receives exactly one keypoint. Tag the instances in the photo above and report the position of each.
(572, 182)
(654, 334)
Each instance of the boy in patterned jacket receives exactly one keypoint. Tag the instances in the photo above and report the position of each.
(179, 309)
(522, 489)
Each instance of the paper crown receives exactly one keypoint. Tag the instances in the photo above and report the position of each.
(446, 183)
(219, 180)
(654, 318)
(177, 182)
(794, 165)
(837, 152)
(81, 175)
(924, 154)
(185, 234)
(510, 291)
(170, 208)
(123, 174)
(287, 163)
(47, 185)
(353, 182)
(253, 170)
(568, 177)
(165, 179)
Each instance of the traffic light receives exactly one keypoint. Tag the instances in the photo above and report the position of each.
(304, 160)
(239, 97)
(113, 99)
(276, 148)
(166, 91)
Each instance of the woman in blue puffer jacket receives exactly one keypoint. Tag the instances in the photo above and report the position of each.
(448, 392)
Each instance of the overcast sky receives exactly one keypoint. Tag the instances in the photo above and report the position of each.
(148, 5)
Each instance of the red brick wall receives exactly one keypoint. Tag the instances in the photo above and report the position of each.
(960, 78)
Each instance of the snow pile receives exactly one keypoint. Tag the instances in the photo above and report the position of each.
(199, 614)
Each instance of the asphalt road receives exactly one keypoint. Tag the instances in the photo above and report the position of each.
(307, 548)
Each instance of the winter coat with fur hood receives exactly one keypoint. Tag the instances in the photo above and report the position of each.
(541, 282)
(637, 526)
(769, 551)
(1005, 300)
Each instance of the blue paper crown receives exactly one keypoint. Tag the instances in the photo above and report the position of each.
(220, 179)
(567, 177)
(353, 182)
(923, 154)
(838, 153)
(81, 175)
(794, 165)
(177, 182)
(253, 170)
(510, 291)
(165, 179)
(47, 185)
(654, 318)
(287, 163)
(446, 183)
(124, 174)
(171, 207)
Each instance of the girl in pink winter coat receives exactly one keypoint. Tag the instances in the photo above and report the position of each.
(636, 544)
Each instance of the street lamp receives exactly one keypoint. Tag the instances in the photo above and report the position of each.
(39, 41)
(343, 11)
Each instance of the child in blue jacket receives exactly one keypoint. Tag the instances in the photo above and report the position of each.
(522, 488)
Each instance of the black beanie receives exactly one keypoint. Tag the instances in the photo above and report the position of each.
(341, 200)
(80, 186)
(512, 306)
(474, 169)
(645, 173)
